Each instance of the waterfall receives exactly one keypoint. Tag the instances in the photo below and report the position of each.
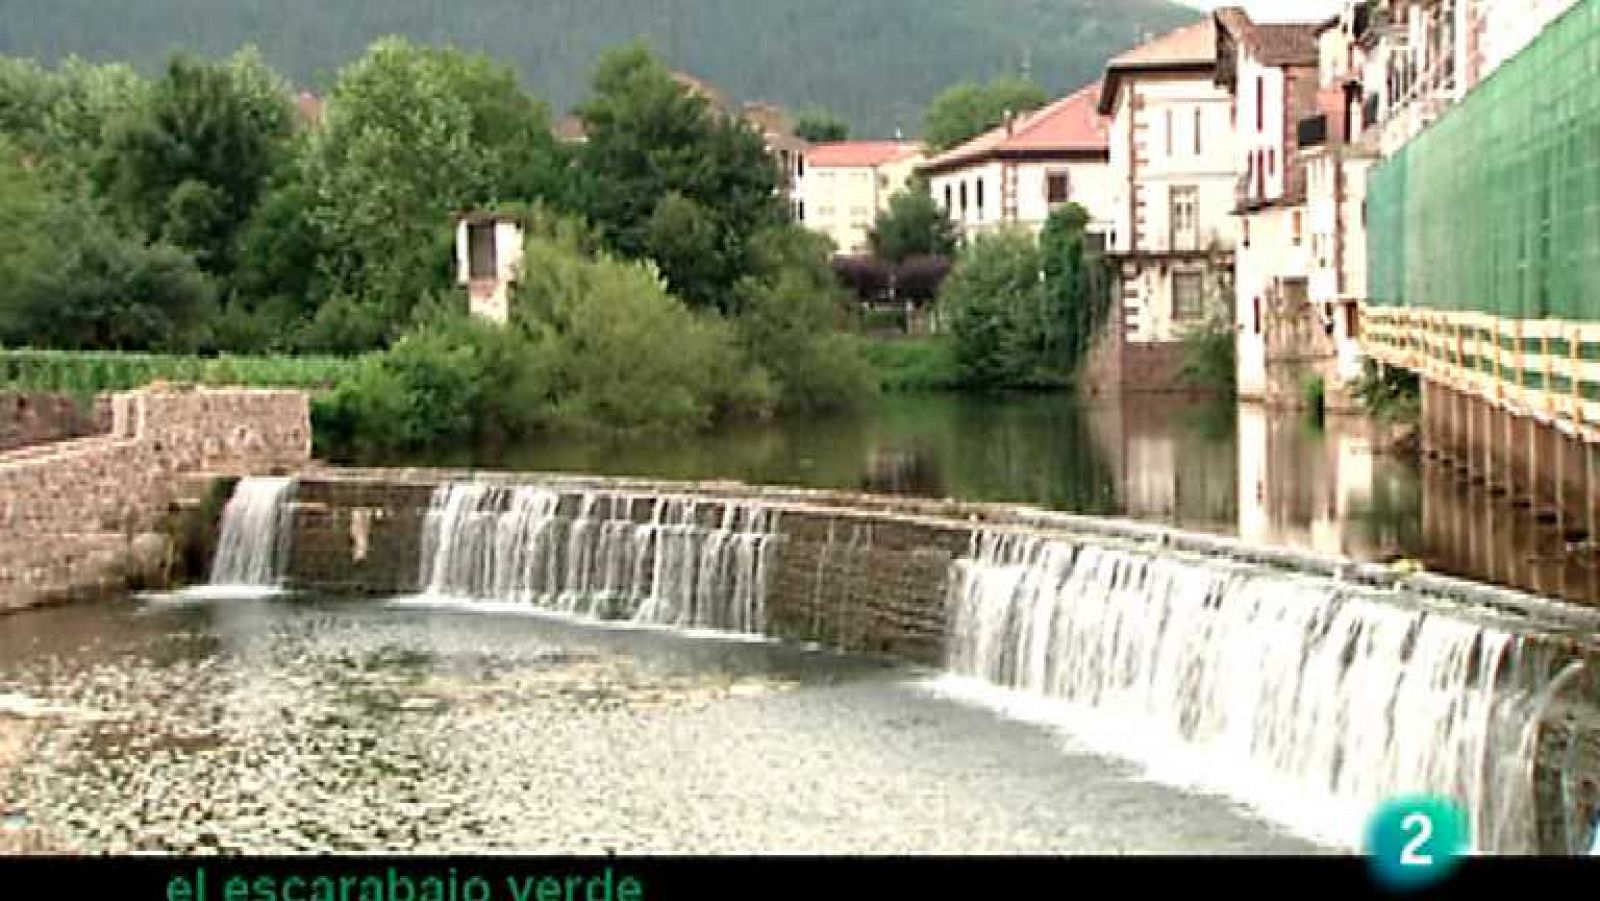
(254, 544)
(651, 559)
(1327, 699)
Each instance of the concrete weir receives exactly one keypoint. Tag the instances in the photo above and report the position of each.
(1336, 683)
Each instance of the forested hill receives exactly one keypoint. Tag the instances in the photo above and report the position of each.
(875, 62)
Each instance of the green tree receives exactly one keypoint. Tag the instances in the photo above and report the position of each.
(189, 166)
(969, 109)
(1077, 289)
(69, 280)
(276, 282)
(412, 135)
(72, 281)
(58, 118)
(819, 126)
(912, 225)
(991, 303)
(791, 307)
(650, 140)
(25, 204)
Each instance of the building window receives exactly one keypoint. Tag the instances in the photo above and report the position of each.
(1170, 128)
(1272, 161)
(1198, 116)
(883, 182)
(1255, 315)
(963, 199)
(980, 198)
(482, 255)
(1057, 187)
(1185, 217)
(1188, 296)
(1297, 219)
(799, 211)
(799, 165)
(1261, 103)
(947, 203)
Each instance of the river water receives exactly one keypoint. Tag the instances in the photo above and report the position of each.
(309, 726)
(1270, 478)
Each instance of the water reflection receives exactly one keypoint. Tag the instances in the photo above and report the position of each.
(1325, 488)
(1267, 476)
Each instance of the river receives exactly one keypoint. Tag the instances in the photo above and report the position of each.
(1272, 478)
(317, 726)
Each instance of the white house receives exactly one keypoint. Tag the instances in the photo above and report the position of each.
(1173, 233)
(1021, 171)
(489, 261)
(847, 183)
(1272, 71)
(1336, 166)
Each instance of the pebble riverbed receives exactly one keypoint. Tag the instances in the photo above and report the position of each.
(312, 726)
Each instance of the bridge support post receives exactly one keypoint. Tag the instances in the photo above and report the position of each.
(1527, 443)
(1469, 446)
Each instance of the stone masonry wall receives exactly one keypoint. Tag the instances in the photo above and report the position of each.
(83, 516)
(31, 418)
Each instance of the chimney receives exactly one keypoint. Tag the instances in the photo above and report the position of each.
(1011, 122)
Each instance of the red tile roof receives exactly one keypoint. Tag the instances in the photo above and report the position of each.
(1069, 126)
(1272, 43)
(859, 154)
(310, 108)
(1289, 43)
(1194, 43)
(1193, 46)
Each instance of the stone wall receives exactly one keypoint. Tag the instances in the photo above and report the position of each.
(28, 418)
(84, 516)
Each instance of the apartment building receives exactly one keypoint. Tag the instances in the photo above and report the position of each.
(1020, 172)
(1423, 56)
(847, 183)
(1272, 72)
(1336, 165)
(1173, 232)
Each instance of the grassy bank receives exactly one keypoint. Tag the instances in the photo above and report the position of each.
(906, 365)
(86, 373)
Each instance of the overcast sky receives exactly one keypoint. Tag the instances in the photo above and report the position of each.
(1276, 10)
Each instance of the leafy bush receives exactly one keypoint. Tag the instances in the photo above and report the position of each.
(454, 380)
(789, 314)
(1314, 394)
(1210, 358)
(620, 351)
(1389, 393)
(787, 329)
(992, 302)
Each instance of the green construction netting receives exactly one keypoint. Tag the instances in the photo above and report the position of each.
(1496, 207)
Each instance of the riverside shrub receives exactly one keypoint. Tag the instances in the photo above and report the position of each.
(451, 381)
